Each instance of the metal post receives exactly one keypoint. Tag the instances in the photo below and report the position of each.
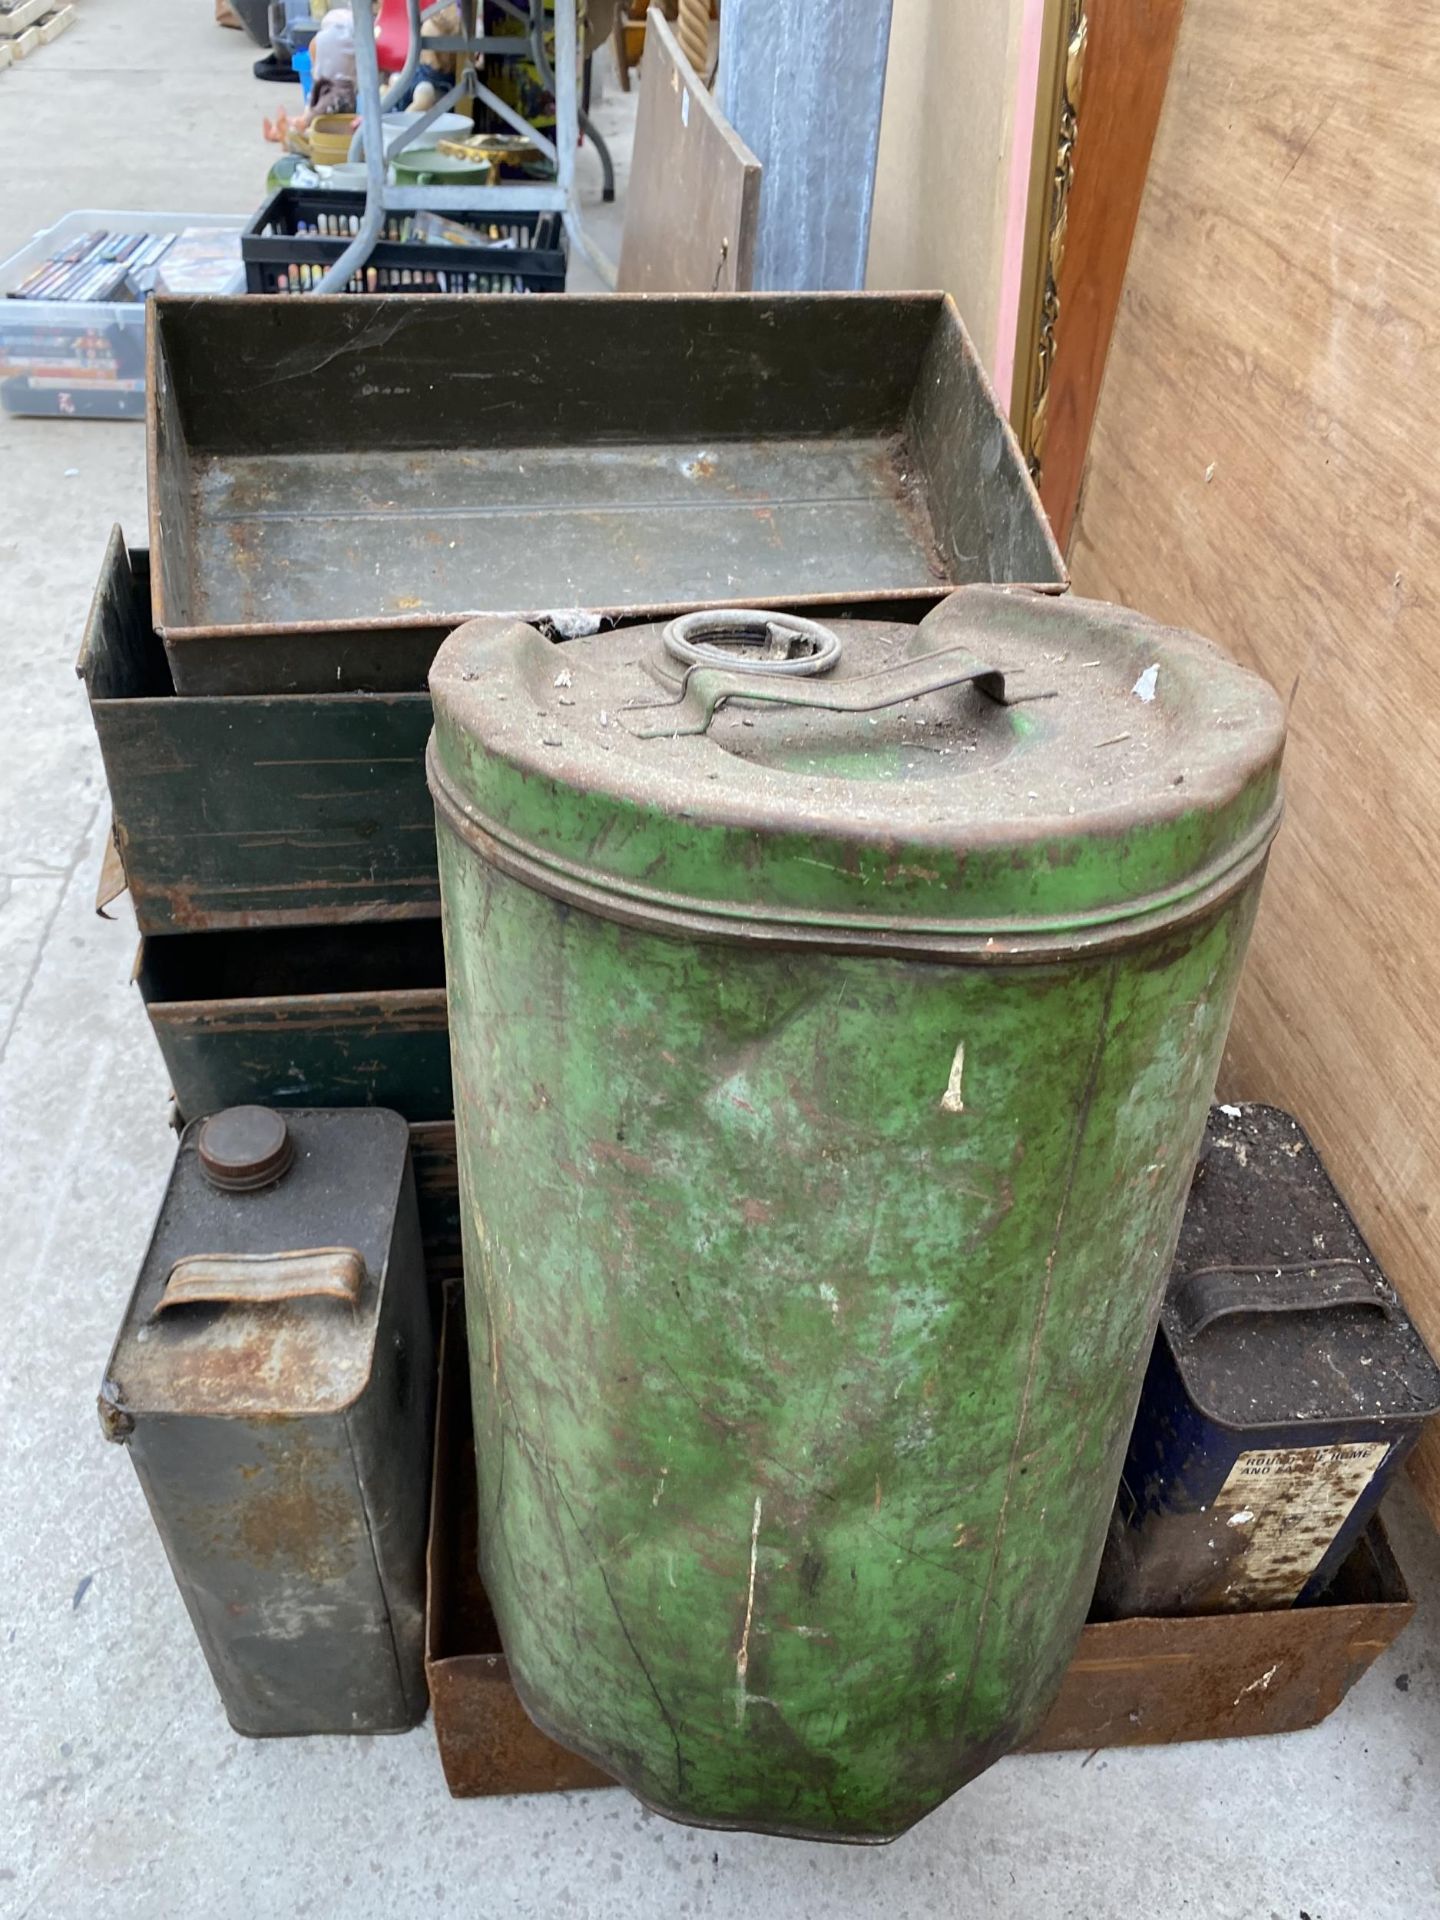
(516, 195)
(402, 79)
(367, 91)
(802, 85)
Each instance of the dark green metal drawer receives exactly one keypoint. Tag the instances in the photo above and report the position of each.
(302, 1016)
(259, 809)
(271, 807)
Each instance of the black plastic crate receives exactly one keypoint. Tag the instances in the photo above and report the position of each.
(301, 231)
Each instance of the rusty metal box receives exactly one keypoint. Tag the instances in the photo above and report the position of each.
(1144, 1682)
(302, 1016)
(1136, 1682)
(1286, 1385)
(256, 810)
(273, 1379)
(379, 470)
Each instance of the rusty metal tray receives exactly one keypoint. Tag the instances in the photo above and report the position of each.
(388, 464)
(1131, 1683)
(1150, 1682)
(258, 810)
(302, 1017)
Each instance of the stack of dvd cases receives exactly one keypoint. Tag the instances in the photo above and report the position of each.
(72, 319)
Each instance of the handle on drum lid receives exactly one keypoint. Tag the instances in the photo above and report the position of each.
(706, 689)
(264, 1279)
(1222, 1293)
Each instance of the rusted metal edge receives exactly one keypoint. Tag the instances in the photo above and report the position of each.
(116, 552)
(551, 621)
(1149, 1681)
(111, 882)
(1002, 942)
(152, 457)
(560, 623)
(193, 920)
(267, 1010)
(952, 315)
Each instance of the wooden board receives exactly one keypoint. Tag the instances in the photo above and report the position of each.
(15, 20)
(694, 204)
(1264, 468)
(1129, 49)
(34, 37)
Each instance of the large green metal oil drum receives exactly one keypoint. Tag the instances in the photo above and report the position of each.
(834, 1022)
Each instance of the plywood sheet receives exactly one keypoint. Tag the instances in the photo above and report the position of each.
(1264, 467)
(694, 202)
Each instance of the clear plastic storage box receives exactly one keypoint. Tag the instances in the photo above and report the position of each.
(84, 358)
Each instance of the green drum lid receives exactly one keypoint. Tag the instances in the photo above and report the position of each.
(1017, 774)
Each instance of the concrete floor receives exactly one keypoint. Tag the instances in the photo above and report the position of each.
(123, 1789)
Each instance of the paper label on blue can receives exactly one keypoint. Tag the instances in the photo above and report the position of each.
(1279, 1510)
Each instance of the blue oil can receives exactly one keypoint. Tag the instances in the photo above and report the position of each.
(1287, 1383)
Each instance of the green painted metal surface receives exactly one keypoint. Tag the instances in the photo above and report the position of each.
(256, 810)
(809, 1290)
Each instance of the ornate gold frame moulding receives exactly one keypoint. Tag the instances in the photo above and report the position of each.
(1065, 31)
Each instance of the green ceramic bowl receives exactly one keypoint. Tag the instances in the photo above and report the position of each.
(428, 167)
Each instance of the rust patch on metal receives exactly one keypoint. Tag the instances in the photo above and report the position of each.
(611, 1152)
(298, 1522)
(1148, 1682)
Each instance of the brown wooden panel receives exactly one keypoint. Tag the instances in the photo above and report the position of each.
(1264, 468)
(1127, 63)
(694, 185)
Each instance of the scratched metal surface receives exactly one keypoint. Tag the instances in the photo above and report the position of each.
(312, 537)
(1131, 1683)
(397, 459)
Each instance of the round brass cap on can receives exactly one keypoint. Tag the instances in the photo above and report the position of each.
(243, 1148)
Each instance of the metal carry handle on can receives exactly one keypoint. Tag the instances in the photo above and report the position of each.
(1221, 1293)
(264, 1279)
(714, 675)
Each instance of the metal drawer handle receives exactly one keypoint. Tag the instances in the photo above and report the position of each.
(1315, 1286)
(706, 689)
(264, 1279)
